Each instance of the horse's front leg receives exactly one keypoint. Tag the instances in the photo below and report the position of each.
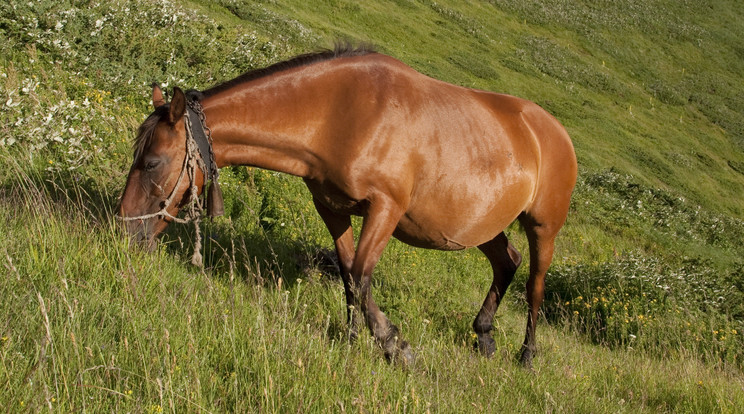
(379, 223)
(340, 228)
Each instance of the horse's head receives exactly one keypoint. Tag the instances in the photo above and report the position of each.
(157, 182)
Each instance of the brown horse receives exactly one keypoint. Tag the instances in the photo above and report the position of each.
(433, 164)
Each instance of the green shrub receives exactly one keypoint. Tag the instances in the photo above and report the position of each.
(638, 301)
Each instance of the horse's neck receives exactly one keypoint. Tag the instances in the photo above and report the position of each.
(263, 127)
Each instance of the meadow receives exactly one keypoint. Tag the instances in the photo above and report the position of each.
(644, 309)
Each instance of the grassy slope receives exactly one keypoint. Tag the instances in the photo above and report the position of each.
(90, 324)
(628, 90)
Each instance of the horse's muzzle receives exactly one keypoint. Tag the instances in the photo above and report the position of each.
(141, 234)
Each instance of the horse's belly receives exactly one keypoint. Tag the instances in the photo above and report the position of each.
(447, 237)
(430, 240)
(442, 238)
(457, 223)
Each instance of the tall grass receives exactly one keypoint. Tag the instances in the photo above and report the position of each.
(92, 325)
(645, 300)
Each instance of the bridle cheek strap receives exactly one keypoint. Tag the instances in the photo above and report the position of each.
(203, 137)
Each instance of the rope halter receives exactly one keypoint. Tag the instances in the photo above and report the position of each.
(198, 155)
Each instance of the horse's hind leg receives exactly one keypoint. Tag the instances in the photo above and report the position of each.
(547, 212)
(541, 238)
(505, 260)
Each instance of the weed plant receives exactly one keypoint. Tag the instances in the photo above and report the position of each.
(639, 302)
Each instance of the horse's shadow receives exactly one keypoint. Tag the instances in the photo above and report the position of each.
(261, 257)
(257, 255)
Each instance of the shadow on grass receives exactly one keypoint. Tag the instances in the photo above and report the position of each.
(257, 255)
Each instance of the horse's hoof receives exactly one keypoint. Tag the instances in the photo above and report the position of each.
(400, 353)
(486, 345)
(405, 356)
(526, 358)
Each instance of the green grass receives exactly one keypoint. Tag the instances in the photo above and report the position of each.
(645, 302)
(117, 330)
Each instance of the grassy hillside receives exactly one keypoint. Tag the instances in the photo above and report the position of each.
(645, 305)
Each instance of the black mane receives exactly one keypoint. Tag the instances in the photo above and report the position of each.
(340, 50)
(146, 130)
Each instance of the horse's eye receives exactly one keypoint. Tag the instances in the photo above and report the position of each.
(151, 165)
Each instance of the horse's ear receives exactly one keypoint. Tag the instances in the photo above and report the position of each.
(177, 106)
(157, 96)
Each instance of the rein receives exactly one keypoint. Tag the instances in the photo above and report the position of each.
(199, 154)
